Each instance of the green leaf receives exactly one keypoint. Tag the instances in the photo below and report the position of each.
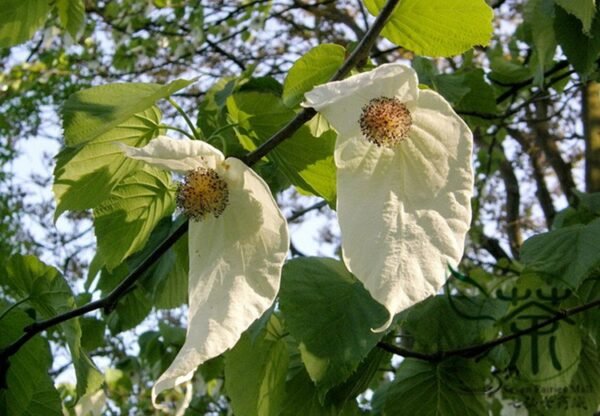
(303, 75)
(50, 295)
(260, 115)
(568, 254)
(255, 372)
(468, 91)
(91, 112)
(584, 393)
(124, 222)
(92, 333)
(136, 305)
(452, 86)
(453, 322)
(302, 398)
(547, 357)
(129, 312)
(451, 387)
(330, 314)
(172, 289)
(307, 161)
(508, 71)
(426, 69)
(539, 15)
(584, 10)
(86, 175)
(362, 378)
(72, 15)
(585, 209)
(166, 282)
(437, 27)
(582, 50)
(20, 19)
(30, 390)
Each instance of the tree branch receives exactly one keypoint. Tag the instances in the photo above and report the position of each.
(513, 202)
(107, 303)
(537, 165)
(590, 99)
(479, 349)
(547, 143)
(360, 54)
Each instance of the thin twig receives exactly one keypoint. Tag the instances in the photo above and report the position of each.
(297, 214)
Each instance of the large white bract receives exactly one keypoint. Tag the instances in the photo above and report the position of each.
(235, 258)
(404, 208)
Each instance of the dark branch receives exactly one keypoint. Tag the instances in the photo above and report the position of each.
(479, 349)
(107, 303)
(537, 164)
(513, 201)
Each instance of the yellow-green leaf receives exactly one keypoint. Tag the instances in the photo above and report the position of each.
(85, 175)
(20, 19)
(437, 27)
(314, 68)
(72, 15)
(91, 112)
(124, 222)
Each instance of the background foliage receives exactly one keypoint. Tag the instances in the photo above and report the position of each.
(532, 256)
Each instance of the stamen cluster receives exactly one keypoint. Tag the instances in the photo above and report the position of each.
(385, 121)
(202, 192)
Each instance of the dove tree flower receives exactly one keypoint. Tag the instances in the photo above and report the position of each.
(404, 182)
(238, 241)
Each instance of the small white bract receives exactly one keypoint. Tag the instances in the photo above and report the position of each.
(404, 182)
(238, 241)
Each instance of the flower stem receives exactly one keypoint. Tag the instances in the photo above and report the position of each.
(182, 131)
(186, 118)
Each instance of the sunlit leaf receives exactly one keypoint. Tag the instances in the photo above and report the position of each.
(85, 175)
(72, 15)
(20, 19)
(91, 112)
(128, 217)
(316, 67)
(437, 27)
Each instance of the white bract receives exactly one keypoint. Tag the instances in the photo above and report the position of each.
(238, 241)
(404, 182)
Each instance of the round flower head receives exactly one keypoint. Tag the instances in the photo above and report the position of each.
(238, 241)
(404, 182)
(202, 192)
